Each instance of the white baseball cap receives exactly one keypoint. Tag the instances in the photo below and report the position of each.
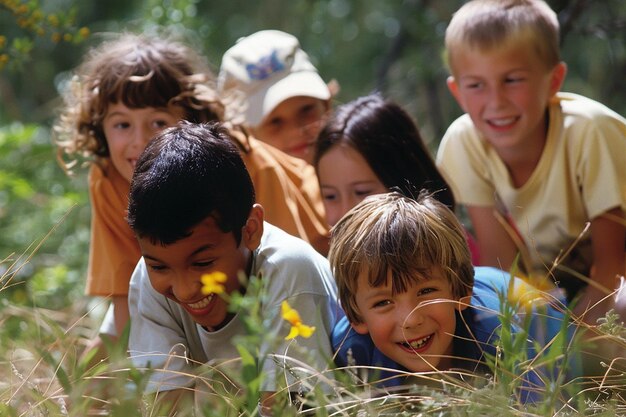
(267, 68)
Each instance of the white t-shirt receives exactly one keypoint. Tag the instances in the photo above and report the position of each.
(165, 337)
(580, 175)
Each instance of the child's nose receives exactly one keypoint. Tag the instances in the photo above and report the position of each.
(413, 317)
(185, 289)
(142, 136)
(309, 129)
(497, 96)
(347, 204)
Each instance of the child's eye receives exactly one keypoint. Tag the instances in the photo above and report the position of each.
(161, 124)
(362, 193)
(310, 113)
(307, 109)
(382, 303)
(275, 123)
(329, 196)
(121, 125)
(427, 290)
(156, 267)
(511, 80)
(473, 85)
(203, 264)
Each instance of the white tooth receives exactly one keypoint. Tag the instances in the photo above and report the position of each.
(202, 303)
(419, 343)
(503, 122)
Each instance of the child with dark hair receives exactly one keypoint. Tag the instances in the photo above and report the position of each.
(127, 90)
(192, 207)
(371, 145)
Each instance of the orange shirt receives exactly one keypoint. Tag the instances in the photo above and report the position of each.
(288, 190)
(113, 251)
(286, 187)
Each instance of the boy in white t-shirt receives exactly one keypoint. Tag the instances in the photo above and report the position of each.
(192, 207)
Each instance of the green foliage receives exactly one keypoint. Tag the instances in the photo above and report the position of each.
(36, 197)
(33, 22)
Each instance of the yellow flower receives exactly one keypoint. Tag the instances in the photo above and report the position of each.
(83, 32)
(212, 283)
(53, 20)
(297, 327)
(529, 291)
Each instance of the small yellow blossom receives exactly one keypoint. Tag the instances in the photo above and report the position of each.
(53, 20)
(83, 32)
(529, 291)
(212, 283)
(297, 327)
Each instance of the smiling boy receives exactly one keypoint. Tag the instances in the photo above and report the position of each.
(533, 165)
(193, 210)
(412, 299)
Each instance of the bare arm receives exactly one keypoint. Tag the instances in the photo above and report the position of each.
(497, 247)
(120, 308)
(608, 235)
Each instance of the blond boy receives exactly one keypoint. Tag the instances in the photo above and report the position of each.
(533, 165)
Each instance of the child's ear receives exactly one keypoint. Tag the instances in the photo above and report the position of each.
(558, 76)
(333, 87)
(360, 328)
(454, 90)
(464, 302)
(252, 231)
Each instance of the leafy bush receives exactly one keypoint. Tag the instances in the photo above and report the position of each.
(40, 206)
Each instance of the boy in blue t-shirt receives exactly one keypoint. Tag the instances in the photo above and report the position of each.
(412, 297)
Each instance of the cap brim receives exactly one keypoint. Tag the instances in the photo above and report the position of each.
(304, 83)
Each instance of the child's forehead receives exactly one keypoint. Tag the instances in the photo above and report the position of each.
(522, 42)
(388, 277)
(206, 236)
(513, 56)
(293, 104)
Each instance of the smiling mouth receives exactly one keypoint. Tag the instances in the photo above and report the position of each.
(199, 305)
(502, 122)
(303, 147)
(417, 343)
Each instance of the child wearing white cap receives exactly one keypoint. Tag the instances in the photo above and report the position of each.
(272, 87)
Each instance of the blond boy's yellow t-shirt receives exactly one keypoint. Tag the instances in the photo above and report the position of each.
(286, 187)
(580, 175)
